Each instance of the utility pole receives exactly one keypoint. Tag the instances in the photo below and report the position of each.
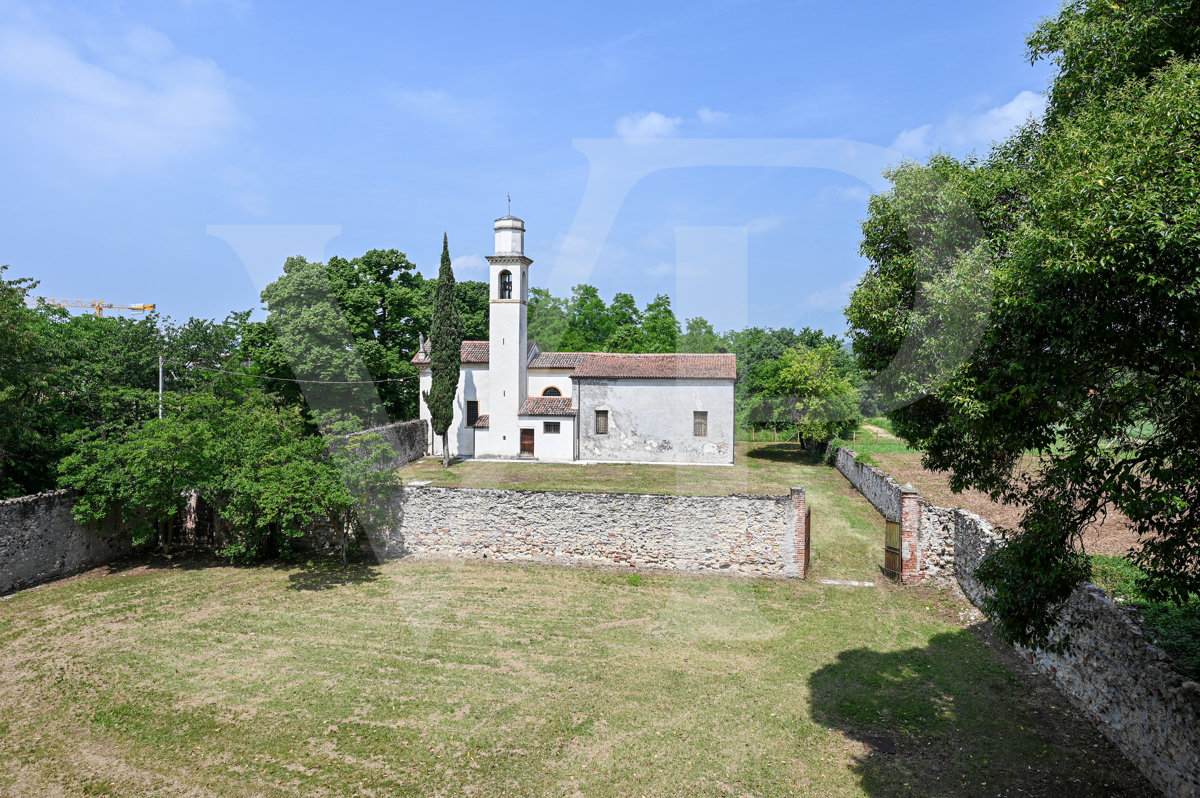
(160, 384)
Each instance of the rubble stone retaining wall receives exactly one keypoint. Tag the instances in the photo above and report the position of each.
(1125, 685)
(40, 540)
(751, 535)
(408, 440)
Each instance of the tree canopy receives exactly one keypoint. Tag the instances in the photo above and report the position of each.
(1090, 229)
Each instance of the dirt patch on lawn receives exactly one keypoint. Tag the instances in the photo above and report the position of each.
(1113, 536)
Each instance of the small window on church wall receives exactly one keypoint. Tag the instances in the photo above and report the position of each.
(505, 285)
(551, 427)
(472, 412)
(601, 422)
(551, 391)
(700, 423)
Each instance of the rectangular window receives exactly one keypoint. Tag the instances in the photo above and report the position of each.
(472, 412)
(550, 427)
(700, 423)
(601, 422)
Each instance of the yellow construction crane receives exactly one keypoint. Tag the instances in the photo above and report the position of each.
(96, 304)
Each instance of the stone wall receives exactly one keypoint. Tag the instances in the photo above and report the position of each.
(1125, 685)
(881, 490)
(40, 540)
(751, 535)
(408, 440)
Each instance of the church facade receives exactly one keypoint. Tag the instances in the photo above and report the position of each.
(515, 402)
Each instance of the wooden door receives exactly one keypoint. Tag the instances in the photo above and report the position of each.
(892, 562)
(527, 443)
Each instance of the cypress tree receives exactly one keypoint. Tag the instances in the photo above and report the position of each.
(445, 345)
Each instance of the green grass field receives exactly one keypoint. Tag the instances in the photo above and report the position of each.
(440, 678)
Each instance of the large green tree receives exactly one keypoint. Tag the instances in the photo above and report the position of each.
(1088, 361)
(445, 353)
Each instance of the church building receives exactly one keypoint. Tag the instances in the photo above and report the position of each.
(515, 402)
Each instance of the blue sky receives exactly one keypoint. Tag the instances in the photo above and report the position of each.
(129, 128)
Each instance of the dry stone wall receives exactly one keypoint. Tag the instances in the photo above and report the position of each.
(408, 440)
(1125, 685)
(40, 540)
(751, 535)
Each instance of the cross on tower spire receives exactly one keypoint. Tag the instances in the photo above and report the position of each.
(510, 203)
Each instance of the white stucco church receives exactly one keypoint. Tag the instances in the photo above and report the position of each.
(517, 402)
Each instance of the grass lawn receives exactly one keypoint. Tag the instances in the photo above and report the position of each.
(439, 678)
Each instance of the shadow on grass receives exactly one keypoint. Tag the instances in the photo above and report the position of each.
(963, 724)
(782, 453)
(326, 574)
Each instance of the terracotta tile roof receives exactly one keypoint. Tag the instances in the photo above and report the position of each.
(665, 367)
(557, 360)
(482, 422)
(472, 352)
(547, 406)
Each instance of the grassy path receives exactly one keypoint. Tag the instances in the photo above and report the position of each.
(425, 678)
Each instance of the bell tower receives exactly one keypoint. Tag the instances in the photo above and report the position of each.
(508, 333)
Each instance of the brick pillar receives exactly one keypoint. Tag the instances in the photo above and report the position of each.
(800, 557)
(910, 527)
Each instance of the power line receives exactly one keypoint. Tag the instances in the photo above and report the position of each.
(286, 379)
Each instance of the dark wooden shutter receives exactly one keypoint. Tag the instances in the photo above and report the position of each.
(472, 412)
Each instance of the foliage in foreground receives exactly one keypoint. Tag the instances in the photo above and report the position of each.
(1090, 236)
(253, 462)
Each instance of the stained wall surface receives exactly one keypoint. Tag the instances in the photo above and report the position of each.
(750, 535)
(652, 420)
(40, 540)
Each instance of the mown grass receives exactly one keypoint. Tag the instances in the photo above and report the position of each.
(438, 678)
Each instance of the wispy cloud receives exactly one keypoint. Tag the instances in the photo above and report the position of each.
(766, 223)
(710, 117)
(111, 102)
(832, 299)
(647, 125)
(969, 131)
(469, 263)
(439, 108)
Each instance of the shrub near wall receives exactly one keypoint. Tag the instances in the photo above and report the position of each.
(40, 540)
(1125, 685)
(752, 535)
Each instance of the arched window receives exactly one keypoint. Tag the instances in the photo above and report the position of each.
(551, 391)
(506, 285)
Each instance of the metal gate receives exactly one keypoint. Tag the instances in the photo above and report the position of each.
(527, 443)
(892, 558)
(807, 540)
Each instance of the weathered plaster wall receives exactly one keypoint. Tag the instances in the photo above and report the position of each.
(651, 420)
(1125, 685)
(750, 535)
(40, 540)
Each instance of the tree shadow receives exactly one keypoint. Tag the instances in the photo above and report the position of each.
(327, 573)
(964, 721)
(782, 453)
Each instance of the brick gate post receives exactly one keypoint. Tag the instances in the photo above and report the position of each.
(910, 528)
(800, 556)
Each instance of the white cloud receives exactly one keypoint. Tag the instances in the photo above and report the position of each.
(647, 125)
(766, 223)
(962, 132)
(843, 194)
(833, 299)
(133, 98)
(469, 263)
(438, 107)
(710, 117)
